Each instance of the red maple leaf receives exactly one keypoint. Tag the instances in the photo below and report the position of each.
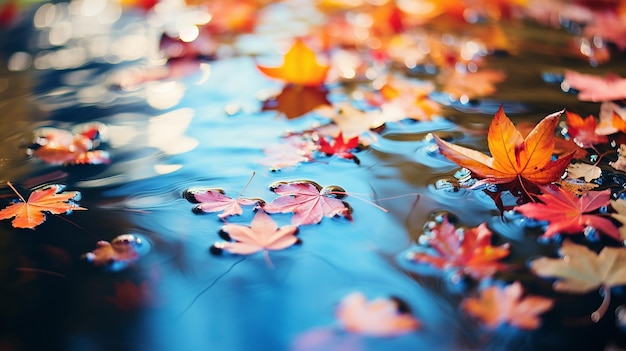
(307, 203)
(214, 200)
(340, 147)
(496, 306)
(583, 131)
(568, 213)
(468, 251)
(263, 234)
(31, 213)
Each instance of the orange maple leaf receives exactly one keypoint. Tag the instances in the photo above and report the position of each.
(300, 67)
(31, 213)
(515, 159)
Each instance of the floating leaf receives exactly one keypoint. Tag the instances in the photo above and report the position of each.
(263, 234)
(31, 213)
(121, 251)
(583, 131)
(57, 146)
(306, 202)
(379, 317)
(214, 200)
(568, 213)
(300, 67)
(340, 147)
(514, 159)
(496, 306)
(584, 170)
(594, 88)
(468, 251)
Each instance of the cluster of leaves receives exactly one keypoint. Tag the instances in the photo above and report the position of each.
(62, 147)
(307, 200)
(525, 166)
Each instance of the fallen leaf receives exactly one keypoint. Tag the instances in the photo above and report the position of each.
(567, 213)
(121, 250)
(612, 119)
(580, 270)
(583, 131)
(379, 317)
(584, 170)
(620, 163)
(609, 26)
(468, 251)
(300, 67)
(31, 213)
(620, 207)
(291, 152)
(306, 202)
(57, 146)
(471, 84)
(595, 88)
(497, 306)
(263, 234)
(340, 147)
(514, 159)
(214, 200)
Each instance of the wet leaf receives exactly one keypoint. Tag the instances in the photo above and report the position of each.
(583, 131)
(567, 213)
(58, 146)
(214, 200)
(340, 147)
(580, 270)
(620, 163)
(496, 306)
(31, 213)
(300, 67)
(471, 84)
(514, 159)
(468, 251)
(306, 202)
(620, 207)
(595, 88)
(584, 170)
(121, 250)
(612, 119)
(379, 317)
(263, 234)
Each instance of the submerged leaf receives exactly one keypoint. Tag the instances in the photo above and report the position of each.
(496, 306)
(379, 317)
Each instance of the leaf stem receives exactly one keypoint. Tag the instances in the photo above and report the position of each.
(605, 291)
(521, 182)
(360, 198)
(246, 186)
(15, 191)
(266, 256)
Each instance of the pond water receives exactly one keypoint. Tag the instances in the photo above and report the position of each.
(199, 122)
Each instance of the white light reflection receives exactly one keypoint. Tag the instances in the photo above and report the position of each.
(163, 95)
(19, 61)
(166, 169)
(166, 132)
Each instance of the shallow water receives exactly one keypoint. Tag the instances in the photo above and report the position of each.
(169, 135)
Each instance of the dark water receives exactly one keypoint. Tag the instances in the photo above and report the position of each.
(173, 134)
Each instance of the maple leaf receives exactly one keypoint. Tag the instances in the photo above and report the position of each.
(300, 67)
(612, 119)
(379, 317)
(580, 271)
(584, 170)
(292, 151)
(568, 213)
(583, 131)
(214, 200)
(496, 306)
(307, 203)
(119, 252)
(469, 251)
(595, 88)
(514, 159)
(58, 146)
(263, 234)
(471, 84)
(31, 213)
(341, 148)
